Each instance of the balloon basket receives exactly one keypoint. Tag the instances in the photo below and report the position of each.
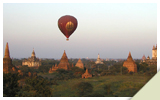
(67, 39)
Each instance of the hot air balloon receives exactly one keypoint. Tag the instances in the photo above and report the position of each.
(67, 24)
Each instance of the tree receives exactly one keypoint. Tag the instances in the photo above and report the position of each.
(24, 69)
(62, 74)
(38, 85)
(83, 89)
(116, 68)
(124, 70)
(131, 72)
(152, 70)
(17, 62)
(108, 90)
(44, 68)
(77, 72)
(143, 67)
(10, 84)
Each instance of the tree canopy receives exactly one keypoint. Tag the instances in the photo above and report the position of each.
(10, 84)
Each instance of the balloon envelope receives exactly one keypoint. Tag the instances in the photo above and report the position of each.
(67, 24)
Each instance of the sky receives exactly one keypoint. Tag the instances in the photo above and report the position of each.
(110, 29)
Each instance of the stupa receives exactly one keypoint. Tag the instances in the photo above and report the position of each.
(64, 64)
(99, 60)
(143, 58)
(79, 64)
(7, 62)
(130, 64)
(86, 74)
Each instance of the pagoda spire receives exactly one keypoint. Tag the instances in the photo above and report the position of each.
(129, 56)
(87, 70)
(64, 52)
(79, 61)
(64, 64)
(7, 55)
(33, 53)
(64, 57)
(99, 60)
(79, 64)
(98, 55)
(129, 53)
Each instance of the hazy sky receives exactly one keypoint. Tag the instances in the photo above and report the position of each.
(110, 29)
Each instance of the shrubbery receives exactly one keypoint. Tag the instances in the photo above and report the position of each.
(83, 89)
(62, 74)
(36, 86)
(108, 90)
(10, 84)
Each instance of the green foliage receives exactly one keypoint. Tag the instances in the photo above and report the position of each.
(117, 68)
(104, 73)
(25, 69)
(108, 90)
(62, 71)
(120, 85)
(83, 89)
(53, 82)
(77, 72)
(17, 62)
(50, 62)
(39, 86)
(124, 70)
(23, 93)
(10, 84)
(63, 74)
(77, 69)
(44, 68)
(125, 88)
(131, 72)
(152, 70)
(46, 65)
(104, 70)
(27, 88)
(143, 67)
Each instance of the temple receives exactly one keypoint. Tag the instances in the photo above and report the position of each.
(64, 64)
(143, 58)
(153, 60)
(99, 60)
(79, 64)
(130, 64)
(86, 74)
(154, 52)
(32, 61)
(53, 69)
(8, 67)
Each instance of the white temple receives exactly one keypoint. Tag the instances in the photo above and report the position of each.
(32, 61)
(99, 60)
